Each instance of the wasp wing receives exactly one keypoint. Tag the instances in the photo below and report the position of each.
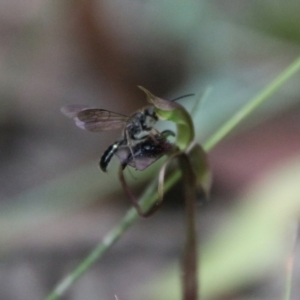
(94, 119)
(72, 110)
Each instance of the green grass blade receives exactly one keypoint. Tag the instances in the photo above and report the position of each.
(253, 105)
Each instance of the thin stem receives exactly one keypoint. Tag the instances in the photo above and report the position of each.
(190, 255)
(100, 249)
(253, 104)
(150, 195)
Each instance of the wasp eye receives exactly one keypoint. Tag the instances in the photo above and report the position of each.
(150, 112)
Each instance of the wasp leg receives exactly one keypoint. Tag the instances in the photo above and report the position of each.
(130, 145)
(167, 133)
(134, 200)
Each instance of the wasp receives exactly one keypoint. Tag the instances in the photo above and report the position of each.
(138, 132)
(147, 151)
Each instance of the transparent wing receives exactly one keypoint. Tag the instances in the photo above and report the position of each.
(72, 110)
(94, 119)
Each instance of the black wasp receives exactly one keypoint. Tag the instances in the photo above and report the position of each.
(147, 151)
(137, 129)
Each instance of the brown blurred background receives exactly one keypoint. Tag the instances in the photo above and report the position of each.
(55, 203)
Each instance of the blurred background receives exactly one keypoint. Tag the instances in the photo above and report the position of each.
(56, 205)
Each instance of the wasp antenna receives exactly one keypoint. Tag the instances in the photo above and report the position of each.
(181, 97)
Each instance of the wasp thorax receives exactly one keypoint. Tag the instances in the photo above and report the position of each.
(141, 123)
(150, 118)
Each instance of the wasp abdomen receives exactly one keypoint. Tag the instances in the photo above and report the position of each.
(108, 154)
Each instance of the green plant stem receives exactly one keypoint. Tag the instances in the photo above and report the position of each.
(190, 286)
(252, 105)
(150, 196)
